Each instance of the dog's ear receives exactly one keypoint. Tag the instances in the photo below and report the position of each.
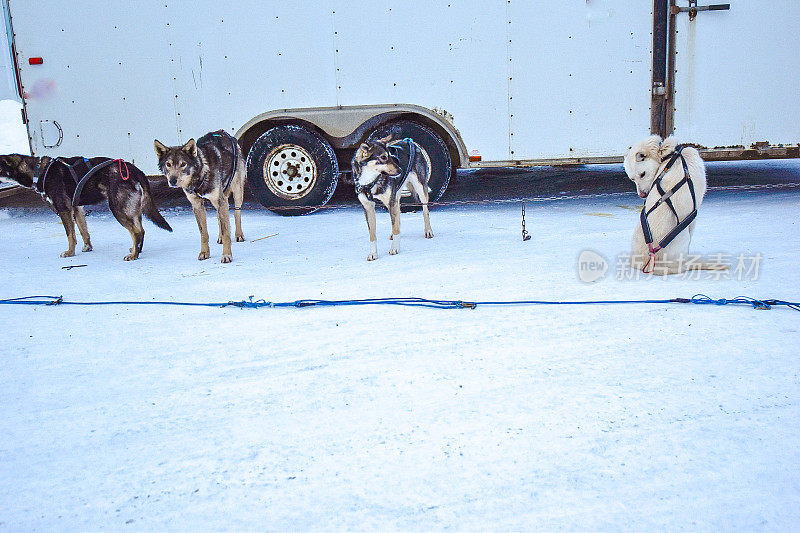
(363, 152)
(667, 146)
(160, 149)
(190, 147)
(651, 146)
(387, 139)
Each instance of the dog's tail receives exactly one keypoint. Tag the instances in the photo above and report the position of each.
(150, 209)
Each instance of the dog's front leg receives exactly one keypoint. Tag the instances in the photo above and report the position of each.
(394, 213)
(223, 214)
(369, 212)
(80, 219)
(200, 214)
(69, 227)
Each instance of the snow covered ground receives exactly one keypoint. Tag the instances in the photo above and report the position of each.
(637, 418)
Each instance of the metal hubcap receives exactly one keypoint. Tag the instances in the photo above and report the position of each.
(290, 172)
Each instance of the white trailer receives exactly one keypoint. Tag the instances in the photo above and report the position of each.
(478, 83)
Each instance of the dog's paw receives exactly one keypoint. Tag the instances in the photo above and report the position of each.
(203, 256)
(239, 237)
(67, 254)
(131, 257)
(226, 258)
(393, 251)
(429, 234)
(372, 257)
(87, 247)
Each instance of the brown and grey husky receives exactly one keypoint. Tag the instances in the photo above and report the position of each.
(380, 170)
(211, 168)
(125, 186)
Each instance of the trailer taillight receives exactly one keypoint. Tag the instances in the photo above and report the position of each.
(35, 60)
(474, 156)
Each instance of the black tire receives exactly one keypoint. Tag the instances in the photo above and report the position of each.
(434, 146)
(303, 192)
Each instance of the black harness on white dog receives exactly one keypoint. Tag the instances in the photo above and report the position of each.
(665, 199)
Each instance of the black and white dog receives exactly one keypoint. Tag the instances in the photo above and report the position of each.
(67, 183)
(380, 170)
(211, 168)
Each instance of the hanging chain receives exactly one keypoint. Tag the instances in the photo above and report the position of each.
(525, 235)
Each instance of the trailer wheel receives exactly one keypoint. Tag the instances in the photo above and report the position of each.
(435, 148)
(292, 170)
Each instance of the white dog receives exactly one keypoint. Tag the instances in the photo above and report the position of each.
(668, 214)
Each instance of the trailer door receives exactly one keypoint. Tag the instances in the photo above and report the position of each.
(737, 73)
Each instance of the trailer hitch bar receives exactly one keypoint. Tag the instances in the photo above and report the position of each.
(694, 8)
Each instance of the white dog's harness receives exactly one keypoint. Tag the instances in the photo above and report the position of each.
(665, 199)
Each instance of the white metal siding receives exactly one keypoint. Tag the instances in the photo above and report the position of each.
(236, 60)
(523, 79)
(737, 74)
(581, 77)
(106, 77)
(450, 55)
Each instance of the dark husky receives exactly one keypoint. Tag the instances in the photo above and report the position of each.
(125, 186)
(380, 170)
(211, 168)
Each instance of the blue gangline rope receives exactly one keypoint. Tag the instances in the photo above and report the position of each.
(699, 299)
